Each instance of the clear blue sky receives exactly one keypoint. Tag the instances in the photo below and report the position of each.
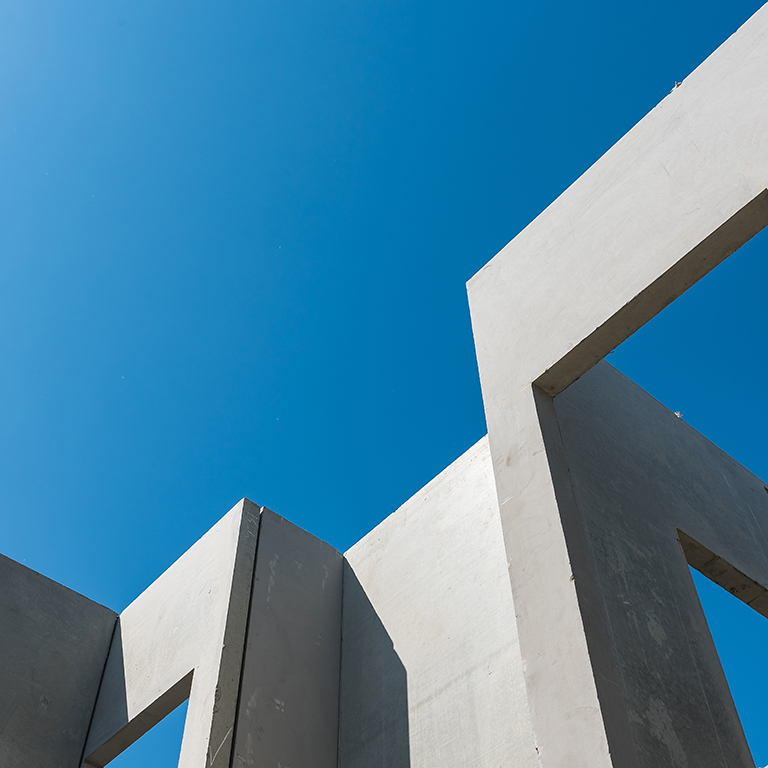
(235, 238)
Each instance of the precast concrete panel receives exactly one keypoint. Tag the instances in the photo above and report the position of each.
(182, 637)
(641, 476)
(289, 699)
(431, 670)
(53, 646)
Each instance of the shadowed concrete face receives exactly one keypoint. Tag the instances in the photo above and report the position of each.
(289, 697)
(640, 477)
(53, 645)
(373, 727)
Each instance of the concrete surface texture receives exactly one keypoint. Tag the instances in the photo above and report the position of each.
(289, 698)
(532, 605)
(642, 478)
(53, 643)
(431, 671)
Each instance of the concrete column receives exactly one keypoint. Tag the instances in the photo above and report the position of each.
(576, 711)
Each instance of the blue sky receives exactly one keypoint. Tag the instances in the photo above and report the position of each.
(235, 245)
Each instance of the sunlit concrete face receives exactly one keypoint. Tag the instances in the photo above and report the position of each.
(530, 606)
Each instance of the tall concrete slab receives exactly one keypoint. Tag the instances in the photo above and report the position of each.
(431, 670)
(651, 491)
(53, 647)
(672, 199)
(183, 637)
(289, 697)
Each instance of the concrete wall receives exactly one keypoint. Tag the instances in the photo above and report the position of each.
(53, 646)
(182, 637)
(431, 669)
(679, 193)
(640, 476)
(289, 700)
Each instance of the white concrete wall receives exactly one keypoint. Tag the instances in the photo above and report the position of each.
(431, 669)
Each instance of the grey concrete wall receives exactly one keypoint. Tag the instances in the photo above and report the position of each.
(183, 636)
(289, 700)
(640, 476)
(53, 646)
(431, 669)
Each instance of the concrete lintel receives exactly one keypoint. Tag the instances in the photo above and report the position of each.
(715, 568)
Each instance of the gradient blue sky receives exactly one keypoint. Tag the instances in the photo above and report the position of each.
(235, 238)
